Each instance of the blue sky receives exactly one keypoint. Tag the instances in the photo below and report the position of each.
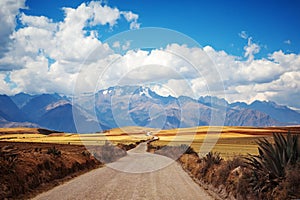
(274, 24)
(249, 50)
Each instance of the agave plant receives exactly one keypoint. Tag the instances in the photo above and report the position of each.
(270, 165)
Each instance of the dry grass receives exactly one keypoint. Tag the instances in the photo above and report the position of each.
(228, 147)
(29, 168)
(34, 161)
(229, 129)
(229, 141)
(114, 136)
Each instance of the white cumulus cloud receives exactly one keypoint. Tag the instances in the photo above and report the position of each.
(132, 18)
(46, 56)
(251, 49)
(9, 9)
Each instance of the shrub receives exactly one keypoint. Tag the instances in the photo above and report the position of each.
(226, 169)
(54, 151)
(289, 188)
(212, 158)
(86, 153)
(242, 188)
(8, 158)
(269, 167)
(209, 160)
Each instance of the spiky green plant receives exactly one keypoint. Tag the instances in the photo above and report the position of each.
(270, 165)
(212, 158)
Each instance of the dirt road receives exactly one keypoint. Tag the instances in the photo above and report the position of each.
(139, 175)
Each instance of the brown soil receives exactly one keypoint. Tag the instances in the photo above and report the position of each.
(27, 169)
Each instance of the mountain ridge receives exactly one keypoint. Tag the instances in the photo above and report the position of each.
(136, 106)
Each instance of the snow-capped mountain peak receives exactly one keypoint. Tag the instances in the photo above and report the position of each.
(144, 91)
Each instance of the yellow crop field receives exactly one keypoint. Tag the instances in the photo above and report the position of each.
(227, 147)
(229, 141)
(114, 136)
(94, 139)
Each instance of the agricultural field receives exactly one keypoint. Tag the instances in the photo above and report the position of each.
(125, 135)
(228, 141)
(61, 156)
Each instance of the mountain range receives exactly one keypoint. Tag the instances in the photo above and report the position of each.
(136, 106)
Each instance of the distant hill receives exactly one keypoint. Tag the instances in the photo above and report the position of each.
(36, 107)
(21, 99)
(9, 111)
(49, 111)
(277, 112)
(136, 106)
(60, 118)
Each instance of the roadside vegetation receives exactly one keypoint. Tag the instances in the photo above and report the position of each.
(272, 174)
(32, 161)
(27, 169)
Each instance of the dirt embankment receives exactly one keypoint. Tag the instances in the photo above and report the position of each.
(27, 169)
(228, 179)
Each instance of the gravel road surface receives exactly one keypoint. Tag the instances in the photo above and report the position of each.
(139, 175)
